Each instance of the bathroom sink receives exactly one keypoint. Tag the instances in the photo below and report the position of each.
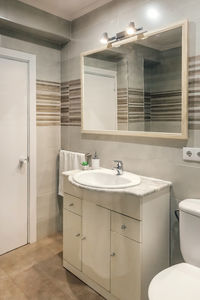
(106, 179)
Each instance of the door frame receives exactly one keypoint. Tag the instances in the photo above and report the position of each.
(31, 137)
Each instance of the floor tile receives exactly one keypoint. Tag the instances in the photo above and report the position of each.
(3, 274)
(35, 272)
(9, 291)
(66, 281)
(36, 285)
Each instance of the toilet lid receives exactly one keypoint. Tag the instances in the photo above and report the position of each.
(190, 206)
(179, 282)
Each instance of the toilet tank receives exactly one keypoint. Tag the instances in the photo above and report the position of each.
(190, 230)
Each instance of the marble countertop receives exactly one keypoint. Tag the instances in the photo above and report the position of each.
(147, 186)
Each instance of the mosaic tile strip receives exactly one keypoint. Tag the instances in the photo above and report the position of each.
(147, 106)
(161, 106)
(135, 105)
(166, 106)
(64, 103)
(71, 103)
(194, 92)
(48, 103)
(122, 106)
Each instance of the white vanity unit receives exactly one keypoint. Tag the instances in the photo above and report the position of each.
(116, 240)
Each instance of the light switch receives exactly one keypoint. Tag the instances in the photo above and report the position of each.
(192, 154)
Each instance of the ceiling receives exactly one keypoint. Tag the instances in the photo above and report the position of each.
(67, 9)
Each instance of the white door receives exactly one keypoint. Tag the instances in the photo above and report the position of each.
(100, 104)
(13, 136)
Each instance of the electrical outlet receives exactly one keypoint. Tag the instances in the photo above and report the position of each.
(192, 154)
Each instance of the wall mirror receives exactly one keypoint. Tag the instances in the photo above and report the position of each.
(138, 86)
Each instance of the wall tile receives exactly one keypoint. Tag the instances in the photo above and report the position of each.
(48, 60)
(48, 103)
(49, 215)
(48, 137)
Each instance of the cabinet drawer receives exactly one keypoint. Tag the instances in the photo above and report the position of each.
(72, 203)
(71, 189)
(126, 226)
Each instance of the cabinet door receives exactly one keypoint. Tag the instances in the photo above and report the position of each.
(125, 267)
(72, 238)
(96, 243)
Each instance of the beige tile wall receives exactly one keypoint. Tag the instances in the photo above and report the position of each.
(150, 157)
(48, 209)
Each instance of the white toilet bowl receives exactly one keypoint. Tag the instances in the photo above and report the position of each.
(179, 282)
(182, 281)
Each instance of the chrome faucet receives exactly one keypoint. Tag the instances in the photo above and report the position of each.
(88, 157)
(119, 167)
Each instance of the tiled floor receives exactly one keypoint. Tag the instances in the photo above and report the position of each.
(36, 272)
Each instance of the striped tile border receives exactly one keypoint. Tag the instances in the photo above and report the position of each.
(71, 103)
(122, 108)
(166, 106)
(135, 105)
(64, 103)
(160, 106)
(194, 92)
(48, 103)
(147, 106)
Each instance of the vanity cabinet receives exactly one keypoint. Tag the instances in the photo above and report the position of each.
(115, 242)
(125, 256)
(72, 238)
(96, 243)
(73, 204)
(125, 267)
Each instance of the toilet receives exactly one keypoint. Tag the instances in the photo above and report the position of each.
(182, 281)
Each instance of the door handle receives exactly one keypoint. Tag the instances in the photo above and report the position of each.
(123, 227)
(22, 161)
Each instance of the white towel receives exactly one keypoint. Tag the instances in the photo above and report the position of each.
(68, 161)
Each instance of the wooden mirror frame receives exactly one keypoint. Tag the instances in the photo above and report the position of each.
(183, 135)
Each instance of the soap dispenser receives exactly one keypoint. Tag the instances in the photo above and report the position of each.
(95, 161)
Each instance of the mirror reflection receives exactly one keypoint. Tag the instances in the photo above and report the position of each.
(135, 87)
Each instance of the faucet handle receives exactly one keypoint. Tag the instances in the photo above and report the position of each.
(119, 167)
(119, 163)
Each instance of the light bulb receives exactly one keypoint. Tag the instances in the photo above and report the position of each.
(153, 13)
(104, 38)
(131, 28)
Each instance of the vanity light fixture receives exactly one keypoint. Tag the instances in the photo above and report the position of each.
(104, 38)
(131, 30)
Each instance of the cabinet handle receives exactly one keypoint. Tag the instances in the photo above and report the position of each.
(83, 238)
(123, 227)
(71, 204)
(112, 254)
(78, 234)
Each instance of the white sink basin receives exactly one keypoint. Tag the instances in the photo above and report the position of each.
(106, 179)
